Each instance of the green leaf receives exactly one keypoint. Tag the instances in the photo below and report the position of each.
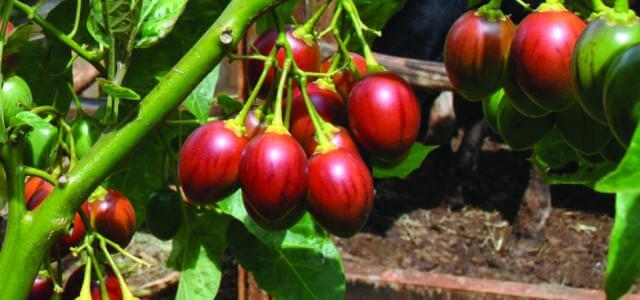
(285, 9)
(200, 100)
(403, 168)
(300, 263)
(117, 91)
(229, 104)
(150, 63)
(30, 119)
(143, 170)
(19, 38)
(623, 264)
(123, 17)
(561, 165)
(197, 250)
(626, 177)
(157, 20)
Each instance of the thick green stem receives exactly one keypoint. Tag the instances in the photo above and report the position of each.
(621, 6)
(22, 254)
(38, 19)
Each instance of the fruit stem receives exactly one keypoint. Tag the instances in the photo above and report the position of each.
(287, 114)
(121, 250)
(65, 39)
(334, 21)
(85, 292)
(342, 45)
(277, 120)
(621, 6)
(268, 63)
(73, 156)
(96, 265)
(79, 111)
(307, 28)
(491, 11)
(352, 11)
(598, 6)
(31, 171)
(317, 121)
(124, 288)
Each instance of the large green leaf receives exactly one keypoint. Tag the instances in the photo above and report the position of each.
(300, 263)
(157, 19)
(143, 170)
(561, 165)
(403, 168)
(623, 266)
(626, 177)
(196, 254)
(149, 64)
(201, 98)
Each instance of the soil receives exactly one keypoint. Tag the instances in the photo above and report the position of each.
(462, 223)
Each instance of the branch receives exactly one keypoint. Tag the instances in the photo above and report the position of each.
(22, 257)
(38, 19)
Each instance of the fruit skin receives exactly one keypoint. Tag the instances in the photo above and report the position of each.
(475, 54)
(340, 138)
(85, 130)
(16, 96)
(113, 217)
(580, 131)
(36, 191)
(346, 79)
(306, 55)
(622, 96)
(40, 145)
(163, 214)
(273, 175)
(384, 115)
(74, 284)
(208, 163)
(519, 131)
(490, 110)
(42, 289)
(598, 45)
(327, 103)
(613, 151)
(520, 101)
(541, 55)
(340, 195)
(283, 223)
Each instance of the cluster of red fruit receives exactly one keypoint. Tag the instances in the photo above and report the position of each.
(285, 171)
(112, 216)
(555, 71)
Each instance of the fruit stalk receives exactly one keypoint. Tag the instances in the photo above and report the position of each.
(621, 6)
(268, 63)
(352, 11)
(23, 253)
